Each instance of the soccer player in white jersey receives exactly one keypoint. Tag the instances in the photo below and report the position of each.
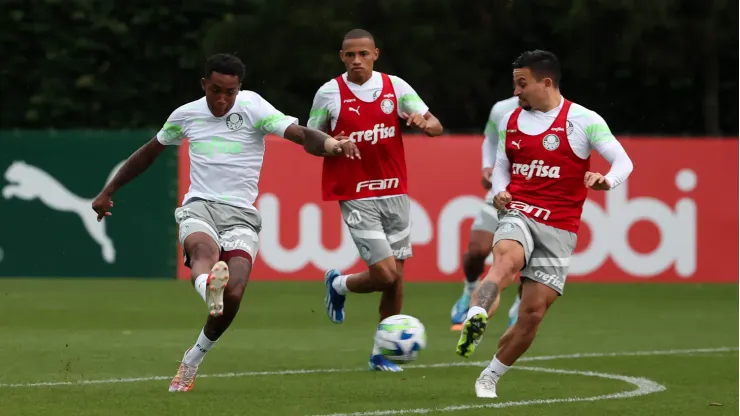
(484, 225)
(540, 181)
(219, 224)
(371, 191)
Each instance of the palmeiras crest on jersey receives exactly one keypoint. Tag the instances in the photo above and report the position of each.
(551, 142)
(387, 106)
(234, 121)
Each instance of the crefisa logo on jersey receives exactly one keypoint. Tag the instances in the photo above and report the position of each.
(551, 142)
(234, 121)
(387, 106)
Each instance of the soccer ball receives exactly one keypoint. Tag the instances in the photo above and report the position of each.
(400, 338)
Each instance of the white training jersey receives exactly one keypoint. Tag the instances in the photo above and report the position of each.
(490, 142)
(226, 152)
(326, 103)
(586, 131)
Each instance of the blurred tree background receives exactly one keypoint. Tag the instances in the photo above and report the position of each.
(658, 67)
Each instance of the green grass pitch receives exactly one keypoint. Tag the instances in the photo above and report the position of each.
(110, 347)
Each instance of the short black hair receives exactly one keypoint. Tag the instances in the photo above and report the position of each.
(541, 63)
(225, 63)
(359, 34)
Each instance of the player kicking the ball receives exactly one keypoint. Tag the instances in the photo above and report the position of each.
(371, 191)
(540, 179)
(218, 222)
(484, 225)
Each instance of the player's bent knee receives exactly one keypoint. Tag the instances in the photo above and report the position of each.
(386, 279)
(384, 274)
(508, 256)
(203, 250)
(239, 264)
(507, 265)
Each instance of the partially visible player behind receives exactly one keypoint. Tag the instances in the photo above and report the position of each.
(366, 105)
(219, 224)
(541, 178)
(484, 225)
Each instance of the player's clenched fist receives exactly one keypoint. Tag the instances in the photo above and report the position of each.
(415, 120)
(102, 205)
(596, 181)
(501, 200)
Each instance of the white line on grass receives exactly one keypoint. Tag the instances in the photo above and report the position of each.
(353, 370)
(644, 387)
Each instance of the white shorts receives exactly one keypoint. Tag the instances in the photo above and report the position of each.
(380, 227)
(234, 229)
(547, 250)
(486, 220)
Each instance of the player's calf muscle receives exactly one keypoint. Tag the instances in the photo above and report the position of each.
(487, 294)
(480, 245)
(473, 267)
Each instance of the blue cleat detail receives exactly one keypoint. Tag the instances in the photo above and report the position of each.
(514, 311)
(460, 310)
(380, 363)
(333, 300)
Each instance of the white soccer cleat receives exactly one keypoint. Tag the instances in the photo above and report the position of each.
(215, 285)
(485, 386)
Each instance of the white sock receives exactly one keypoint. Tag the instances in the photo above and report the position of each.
(196, 354)
(475, 310)
(497, 368)
(340, 284)
(200, 285)
(470, 287)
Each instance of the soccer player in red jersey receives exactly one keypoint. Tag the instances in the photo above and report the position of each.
(540, 181)
(366, 106)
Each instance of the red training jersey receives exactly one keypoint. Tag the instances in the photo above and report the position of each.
(375, 128)
(546, 175)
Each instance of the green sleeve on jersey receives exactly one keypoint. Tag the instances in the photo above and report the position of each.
(502, 141)
(269, 123)
(598, 133)
(171, 132)
(410, 102)
(318, 118)
(491, 129)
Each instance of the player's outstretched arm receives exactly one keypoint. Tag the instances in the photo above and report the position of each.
(137, 163)
(318, 143)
